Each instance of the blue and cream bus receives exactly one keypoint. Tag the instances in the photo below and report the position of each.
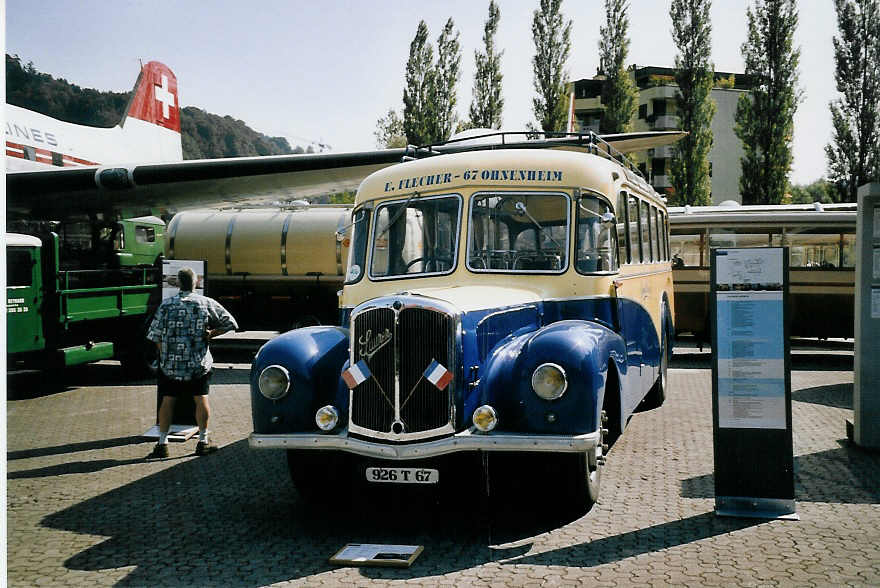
(505, 301)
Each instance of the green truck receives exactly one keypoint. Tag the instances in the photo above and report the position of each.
(75, 297)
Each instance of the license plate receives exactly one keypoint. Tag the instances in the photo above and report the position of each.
(403, 475)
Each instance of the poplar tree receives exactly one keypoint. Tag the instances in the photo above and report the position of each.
(443, 84)
(854, 153)
(552, 37)
(417, 108)
(692, 33)
(765, 119)
(487, 103)
(389, 131)
(619, 94)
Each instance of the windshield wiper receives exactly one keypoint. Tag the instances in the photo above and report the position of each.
(521, 208)
(398, 214)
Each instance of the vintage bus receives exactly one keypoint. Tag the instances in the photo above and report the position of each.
(821, 242)
(512, 304)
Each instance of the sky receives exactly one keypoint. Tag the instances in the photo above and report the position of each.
(326, 71)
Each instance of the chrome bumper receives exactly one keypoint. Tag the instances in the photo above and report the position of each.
(469, 440)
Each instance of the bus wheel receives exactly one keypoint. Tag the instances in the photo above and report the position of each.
(657, 395)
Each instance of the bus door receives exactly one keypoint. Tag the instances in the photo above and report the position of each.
(24, 300)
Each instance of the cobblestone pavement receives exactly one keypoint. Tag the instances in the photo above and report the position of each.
(84, 508)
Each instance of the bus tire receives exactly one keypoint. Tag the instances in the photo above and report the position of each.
(657, 395)
(584, 476)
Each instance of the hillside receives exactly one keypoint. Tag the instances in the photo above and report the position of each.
(204, 135)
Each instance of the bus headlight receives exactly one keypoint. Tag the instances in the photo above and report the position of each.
(274, 382)
(549, 381)
(326, 417)
(485, 418)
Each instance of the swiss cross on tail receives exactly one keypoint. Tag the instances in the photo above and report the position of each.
(155, 98)
(438, 375)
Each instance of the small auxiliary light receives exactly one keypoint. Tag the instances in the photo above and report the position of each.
(485, 419)
(326, 417)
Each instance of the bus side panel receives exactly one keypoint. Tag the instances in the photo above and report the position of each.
(24, 324)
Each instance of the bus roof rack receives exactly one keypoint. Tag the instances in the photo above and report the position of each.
(590, 142)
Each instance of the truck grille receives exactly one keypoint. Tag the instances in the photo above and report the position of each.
(397, 402)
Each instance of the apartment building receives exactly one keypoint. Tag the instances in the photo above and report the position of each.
(657, 112)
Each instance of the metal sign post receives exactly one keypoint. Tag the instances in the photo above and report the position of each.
(865, 429)
(751, 383)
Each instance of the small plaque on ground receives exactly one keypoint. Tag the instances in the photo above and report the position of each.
(377, 554)
(175, 433)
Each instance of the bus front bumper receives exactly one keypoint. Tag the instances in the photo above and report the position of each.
(469, 440)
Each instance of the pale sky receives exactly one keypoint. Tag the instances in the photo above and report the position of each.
(326, 71)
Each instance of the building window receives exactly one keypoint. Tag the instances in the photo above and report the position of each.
(658, 166)
(659, 108)
(643, 111)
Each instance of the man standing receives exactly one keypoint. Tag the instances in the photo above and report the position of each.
(181, 329)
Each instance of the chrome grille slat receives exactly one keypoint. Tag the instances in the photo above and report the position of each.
(420, 335)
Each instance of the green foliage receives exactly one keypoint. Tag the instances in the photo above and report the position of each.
(819, 191)
(854, 153)
(203, 135)
(417, 107)
(389, 131)
(487, 104)
(619, 93)
(552, 37)
(726, 83)
(765, 120)
(446, 75)
(346, 197)
(692, 33)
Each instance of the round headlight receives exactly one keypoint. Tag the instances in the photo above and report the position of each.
(326, 418)
(485, 419)
(274, 382)
(549, 381)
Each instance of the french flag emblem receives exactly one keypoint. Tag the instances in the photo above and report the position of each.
(356, 374)
(438, 375)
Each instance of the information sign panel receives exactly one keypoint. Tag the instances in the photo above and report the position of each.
(751, 400)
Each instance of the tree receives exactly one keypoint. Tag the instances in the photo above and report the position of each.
(854, 153)
(417, 93)
(819, 191)
(619, 95)
(487, 103)
(692, 33)
(446, 75)
(552, 37)
(389, 131)
(765, 119)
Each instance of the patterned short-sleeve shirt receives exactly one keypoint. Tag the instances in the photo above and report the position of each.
(180, 327)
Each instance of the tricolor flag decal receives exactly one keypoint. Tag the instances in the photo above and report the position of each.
(438, 375)
(356, 374)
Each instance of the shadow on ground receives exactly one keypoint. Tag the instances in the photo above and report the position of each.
(847, 475)
(233, 518)
(834, 395)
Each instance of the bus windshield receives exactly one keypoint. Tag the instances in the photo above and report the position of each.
(519, 233)
(417, 236)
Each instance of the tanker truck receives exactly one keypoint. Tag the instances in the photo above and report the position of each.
(273, 268)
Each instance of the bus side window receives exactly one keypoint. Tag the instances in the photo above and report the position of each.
(645, 232)
(658, 251)
(635, 236)
(623, 240)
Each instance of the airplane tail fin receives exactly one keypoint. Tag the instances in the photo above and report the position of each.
(155, 99)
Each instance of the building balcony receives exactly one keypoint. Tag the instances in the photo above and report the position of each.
(662, 152)
(665, 122)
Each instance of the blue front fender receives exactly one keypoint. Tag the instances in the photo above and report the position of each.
(582, 348)
(314, 357)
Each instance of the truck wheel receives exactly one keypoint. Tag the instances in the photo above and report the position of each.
(319, 476)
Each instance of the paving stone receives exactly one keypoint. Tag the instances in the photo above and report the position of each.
(84, 508)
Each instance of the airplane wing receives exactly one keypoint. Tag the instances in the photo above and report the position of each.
(193, 183)
(254, 180)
